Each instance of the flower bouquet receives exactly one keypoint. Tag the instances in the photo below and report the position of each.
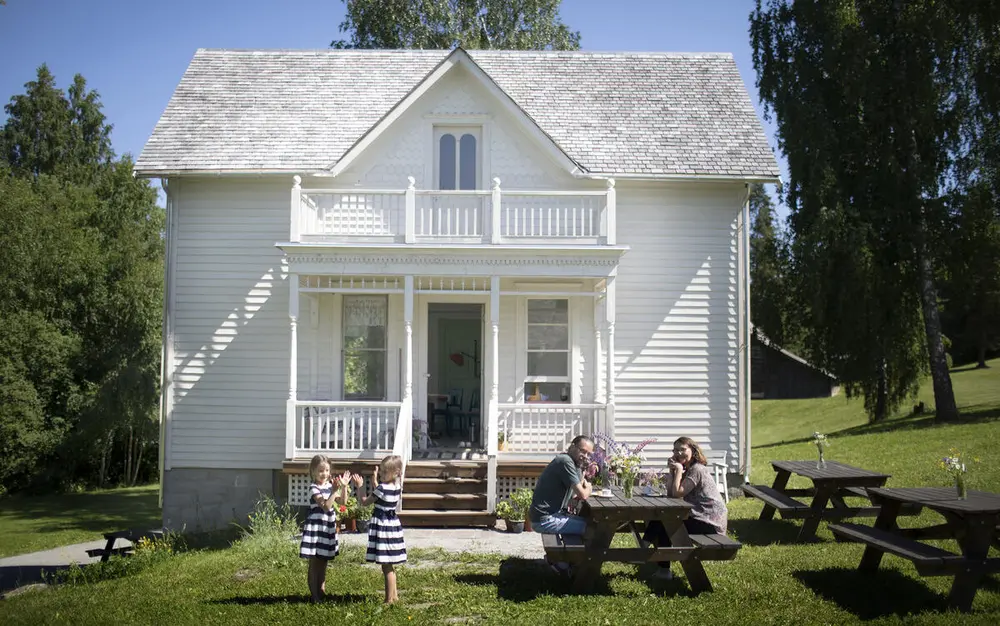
(954, 465)
(624, 462)
(822, 443)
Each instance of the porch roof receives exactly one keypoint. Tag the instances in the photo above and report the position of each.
(613, 113)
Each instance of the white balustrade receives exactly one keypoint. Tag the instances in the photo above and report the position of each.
(483, 216)
(547, 428)
(345, 426)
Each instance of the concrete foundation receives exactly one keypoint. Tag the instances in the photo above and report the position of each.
(196, 500)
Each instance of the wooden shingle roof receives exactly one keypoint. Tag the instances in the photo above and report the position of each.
(612, 113)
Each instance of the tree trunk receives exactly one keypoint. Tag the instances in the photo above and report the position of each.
(944, 395)
(981, 348)
(137, 463)
(105, 444)
(128, 457)
(881, 395)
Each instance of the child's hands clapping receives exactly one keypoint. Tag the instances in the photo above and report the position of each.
(358, 481)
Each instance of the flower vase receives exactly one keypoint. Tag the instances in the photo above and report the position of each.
(821, 463)
(628, 486)
(963, 491)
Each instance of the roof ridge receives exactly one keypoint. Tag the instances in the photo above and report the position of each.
(372, 52)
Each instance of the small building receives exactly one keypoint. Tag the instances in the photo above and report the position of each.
(777, 374)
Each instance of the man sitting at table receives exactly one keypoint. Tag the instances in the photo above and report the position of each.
(559, 482)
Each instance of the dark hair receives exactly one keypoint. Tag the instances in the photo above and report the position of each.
(696, 454)
(581, 438)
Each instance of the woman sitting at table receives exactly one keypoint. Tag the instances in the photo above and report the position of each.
(691, 480)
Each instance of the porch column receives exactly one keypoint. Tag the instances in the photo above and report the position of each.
(293, 365)
(609, 316)
(599, 396)
(407, 405)
(493, 411)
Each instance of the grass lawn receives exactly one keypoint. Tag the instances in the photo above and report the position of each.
(773, 580)
(28, 524)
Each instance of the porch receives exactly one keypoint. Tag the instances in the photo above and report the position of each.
(555, 336)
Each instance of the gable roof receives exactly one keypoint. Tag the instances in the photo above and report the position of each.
(612, 113)
(765, 340)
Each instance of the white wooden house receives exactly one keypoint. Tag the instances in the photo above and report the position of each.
(552, 243)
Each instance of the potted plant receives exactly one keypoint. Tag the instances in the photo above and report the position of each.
(363, 516)
(521, 501)
(502, 441)
(505, 511)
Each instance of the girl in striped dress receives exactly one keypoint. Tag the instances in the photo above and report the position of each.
(385, 533)
(319, 533)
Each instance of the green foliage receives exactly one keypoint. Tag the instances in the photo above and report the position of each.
(445, 24)
(269, 534)
(863, 96)
(80, 296)
(771, 303)
(147, 553)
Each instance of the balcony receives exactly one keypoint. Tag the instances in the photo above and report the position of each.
(415, 216)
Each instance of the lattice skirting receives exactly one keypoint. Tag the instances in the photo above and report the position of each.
(508, 484)
(298, 489)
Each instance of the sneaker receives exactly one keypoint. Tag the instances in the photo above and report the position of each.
(663, 573)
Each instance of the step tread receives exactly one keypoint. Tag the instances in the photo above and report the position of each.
(443, 496)
(445, 514)
(428, 480)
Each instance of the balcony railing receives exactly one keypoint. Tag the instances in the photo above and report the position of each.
(468, 216)
(352, 427)
(547, 428)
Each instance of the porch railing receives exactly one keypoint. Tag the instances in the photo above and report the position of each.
(345, 426)
(467, 216)
(545, 428)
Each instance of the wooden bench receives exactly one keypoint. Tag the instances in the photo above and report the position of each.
(929, 560)
(715, 547)
(787, 506)
(563, 548)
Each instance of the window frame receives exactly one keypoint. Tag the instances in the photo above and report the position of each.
(458, 131)
(345, 300)
(570, 350)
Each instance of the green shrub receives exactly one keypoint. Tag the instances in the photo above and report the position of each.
(147, 553)
(268, 538)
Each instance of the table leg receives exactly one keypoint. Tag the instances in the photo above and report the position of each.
(975, 542)
(886, 520)
(589, 570)
(108, 549)
(780, 482)
(811, 524)
(693, 569)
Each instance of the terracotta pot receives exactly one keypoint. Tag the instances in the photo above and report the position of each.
(352, 525)
(527, 525)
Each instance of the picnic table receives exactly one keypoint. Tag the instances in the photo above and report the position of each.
(972, 522)
(131, 535)
(606, 516)
(831, 484)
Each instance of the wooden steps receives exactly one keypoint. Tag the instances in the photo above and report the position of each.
(445, 494)
(446, 519)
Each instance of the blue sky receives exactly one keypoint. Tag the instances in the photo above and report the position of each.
(134, 52)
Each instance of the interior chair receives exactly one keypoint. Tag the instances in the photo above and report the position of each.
(453, 409)
(472, 416)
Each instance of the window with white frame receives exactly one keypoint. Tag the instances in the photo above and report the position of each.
(548, 351)
(364, 353)
(457, 161)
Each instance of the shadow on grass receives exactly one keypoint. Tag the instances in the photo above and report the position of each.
(969, 415)
(524, 580)
(754, 532)
(871, 595)
(333, 598)
(14, 576)
(92, 512)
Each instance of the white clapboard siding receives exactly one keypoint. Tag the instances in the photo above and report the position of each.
(230, 325)
(676, 334)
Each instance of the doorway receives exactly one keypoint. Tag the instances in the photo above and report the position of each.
(455, 374)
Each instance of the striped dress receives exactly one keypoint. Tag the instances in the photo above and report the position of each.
(385, 533)
(319, 534)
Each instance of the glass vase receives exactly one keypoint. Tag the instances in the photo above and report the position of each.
(963, 491)
(628, 486)
(821, 462)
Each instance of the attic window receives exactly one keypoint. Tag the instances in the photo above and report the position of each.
(457, 157)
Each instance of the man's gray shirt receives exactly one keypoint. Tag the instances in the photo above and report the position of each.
(554, 487)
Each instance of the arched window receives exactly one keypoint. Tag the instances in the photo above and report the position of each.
(457, 161)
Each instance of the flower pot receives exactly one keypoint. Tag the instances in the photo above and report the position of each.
(362, 525)
(527, 525)
(502, 446)
(515, 526)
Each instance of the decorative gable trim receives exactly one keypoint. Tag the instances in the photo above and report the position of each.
(457, 57)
